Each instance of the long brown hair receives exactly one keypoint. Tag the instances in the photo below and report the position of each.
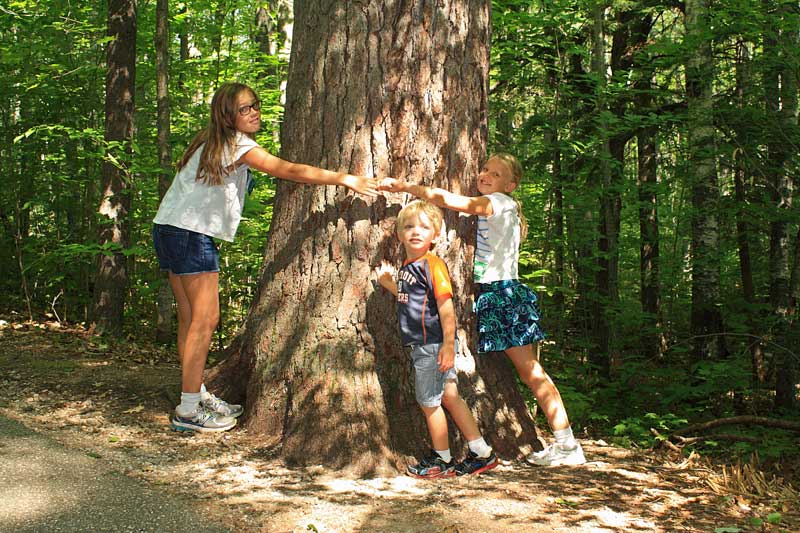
(515, 167)
(218, 135)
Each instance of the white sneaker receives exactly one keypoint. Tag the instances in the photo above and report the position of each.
(556, 455)
(203, 420)
(221, 407)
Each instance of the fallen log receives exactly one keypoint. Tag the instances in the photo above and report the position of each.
(746, 419)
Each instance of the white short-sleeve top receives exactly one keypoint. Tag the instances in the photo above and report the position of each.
(213, 210)
(497, 249)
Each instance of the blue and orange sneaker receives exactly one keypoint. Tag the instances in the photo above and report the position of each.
(432, 467)
(472, 464)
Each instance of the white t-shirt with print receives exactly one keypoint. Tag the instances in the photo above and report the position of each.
(213, 210)
(497, 249)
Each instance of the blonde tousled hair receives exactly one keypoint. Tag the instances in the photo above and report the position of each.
(219, 135)
(513, 164)
(416, 207)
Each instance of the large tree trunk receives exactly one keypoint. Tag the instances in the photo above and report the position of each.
(383, 88)
(112, 275)
(706, 317)
(166, 314)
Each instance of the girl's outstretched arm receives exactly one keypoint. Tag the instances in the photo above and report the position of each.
(261, 160)
(474, 205)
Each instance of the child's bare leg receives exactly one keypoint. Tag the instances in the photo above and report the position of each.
(458, 409)
(202, 292)
(184, 312)
(437, 427)
(526, 361)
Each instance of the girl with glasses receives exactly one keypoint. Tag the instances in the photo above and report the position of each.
(205, 201)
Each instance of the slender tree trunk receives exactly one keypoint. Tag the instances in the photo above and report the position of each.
(741, 176)
(557, 215)
(165, 306)
(653, 339)
(604, 275)
(112, 277)
(263, 31)
(706, 317)
(630, 60)
(183, 47)
(401, 92)
(781, 101)
(794, 284)
(579, 186)
(216, 41)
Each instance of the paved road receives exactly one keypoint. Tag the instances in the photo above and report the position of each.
(45, 487)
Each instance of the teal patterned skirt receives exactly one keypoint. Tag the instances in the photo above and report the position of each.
(508, 315)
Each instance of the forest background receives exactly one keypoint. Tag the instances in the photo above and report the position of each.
(660, 144)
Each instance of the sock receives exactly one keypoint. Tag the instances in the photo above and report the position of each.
(565, 438)
(445, 455)
(203, 392)
(480, 448)
(189, 402)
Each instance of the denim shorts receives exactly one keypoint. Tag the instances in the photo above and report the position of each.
(428, 381)
(182, 251)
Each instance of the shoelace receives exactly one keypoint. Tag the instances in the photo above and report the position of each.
(202, 415)
(215, 402)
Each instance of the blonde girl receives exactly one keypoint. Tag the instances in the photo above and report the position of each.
(508, 314)
(204, 203)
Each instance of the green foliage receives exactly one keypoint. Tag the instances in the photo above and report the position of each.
(635, 431)
(53, 145)
(549, 105)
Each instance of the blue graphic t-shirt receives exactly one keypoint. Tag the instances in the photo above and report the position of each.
(419, 283)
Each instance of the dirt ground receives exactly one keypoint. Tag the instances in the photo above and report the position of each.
(113, 403)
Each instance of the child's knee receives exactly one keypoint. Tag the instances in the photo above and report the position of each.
(450, 394)
(207, 322)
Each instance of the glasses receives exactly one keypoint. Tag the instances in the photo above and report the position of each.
(245, 109)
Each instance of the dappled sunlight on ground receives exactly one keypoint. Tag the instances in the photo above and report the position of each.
(118, 411)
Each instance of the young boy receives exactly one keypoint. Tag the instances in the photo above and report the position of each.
(428, 326)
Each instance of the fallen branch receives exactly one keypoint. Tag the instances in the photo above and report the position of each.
(663, 441)
(750, 420)
(717, 436)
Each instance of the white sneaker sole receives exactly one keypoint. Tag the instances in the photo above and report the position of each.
(537, 459)
(182, 426)
(565, 461)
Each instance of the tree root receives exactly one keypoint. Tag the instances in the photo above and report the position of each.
(689, 435)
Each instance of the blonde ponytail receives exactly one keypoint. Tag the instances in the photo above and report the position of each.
(523, 223)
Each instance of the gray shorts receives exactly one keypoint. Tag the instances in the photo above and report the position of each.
(428, 381)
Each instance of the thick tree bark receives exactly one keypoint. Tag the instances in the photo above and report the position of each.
(706, 317)
(166, 314)
(385, 88)
(112, 277)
